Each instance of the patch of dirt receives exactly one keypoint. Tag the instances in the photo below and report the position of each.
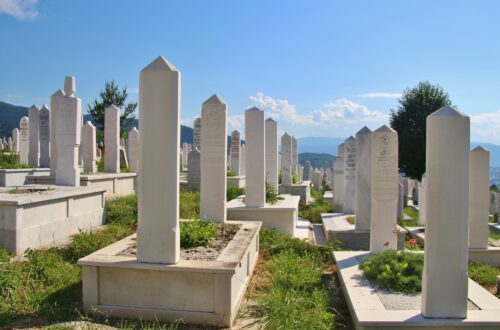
(227, 231)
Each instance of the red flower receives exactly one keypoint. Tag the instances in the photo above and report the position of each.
(412, 241)
(386, 243)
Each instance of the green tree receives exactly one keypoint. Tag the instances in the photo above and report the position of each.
(409, 120)
(112, 94)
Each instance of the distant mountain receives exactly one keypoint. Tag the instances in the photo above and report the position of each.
(9, 117)
(317, 160)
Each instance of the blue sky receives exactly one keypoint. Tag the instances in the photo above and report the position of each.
(321, 68)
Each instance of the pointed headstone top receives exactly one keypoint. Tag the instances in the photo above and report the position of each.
(24, 118)
(89, 123)
(385, 128)
(69, 86)
(287, 135)
(364, 130)
(45, 107)
(134, 129)
(214, 99)
(479, 149)
(270, 120)
(235, 132)
(160, 64)
(254, 109)
(33, 107)
(447, 111)
(350, 138)
(113, 107)
(58, 92)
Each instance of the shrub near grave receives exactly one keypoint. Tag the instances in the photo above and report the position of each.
(313, 211)
(11, 161)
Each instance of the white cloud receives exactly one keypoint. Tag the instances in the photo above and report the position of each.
(380, 95)
(236, 122)
(486, 126)
(344, 111)
(281, 110)
(24, 10)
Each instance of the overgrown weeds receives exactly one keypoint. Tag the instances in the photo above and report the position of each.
(312, 211)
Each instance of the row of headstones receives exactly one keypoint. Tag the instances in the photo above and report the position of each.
(8, 145)
(290, 160)
(62, 125)
(455, 201)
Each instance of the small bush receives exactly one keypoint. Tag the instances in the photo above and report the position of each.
(233, 191)
(351, 219)
(272, 197)
(295, 177)
(197, 233)
(494, 235)
(11, 161)
(122, 210)
(397, 271)
(312, 211)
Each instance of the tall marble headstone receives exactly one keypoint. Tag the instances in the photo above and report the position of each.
(338, 184)
(197, 134)
(340, 150)
(400, 211)
(56, 104)
(295, 155)
(89, 148)
(445, 280)
(112, 139)
(242, 160)
(384, 189)
(479, 198)
(185, 152)
(235, 152)
(194, 170)
(133, 150)
(363, 178)
(350, 175)
(10, 144)
(213, 160)
(15, 140)
(158, 233)
(34, 140)
(24, 140)
(68, 136)
(422, 206)
(44, 134)
(317, 179)
(271, 127)
(286, 160)
(255, 158)
(307, 171)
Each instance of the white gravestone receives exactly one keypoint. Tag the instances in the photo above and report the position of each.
(89, 148)
(133, 150)
(422, 219)
(255, 158)
(338, 184)
(34, 141)
(295, 156)
(213, 160)
(350, 176)
(24, 141)
(112, 139)
(158, 234)
(445, 280)
(271, 127)
(44, 134)
(479, 198)
(235, 152)
(384, 190)
(10, 144)
(185, 153)
(194, 171)
(56, 103)
(400, 212)
(68, 137)
(307, 170)
(340, 150)
(286, 160)
(317, 179)
(197, 134)
(242, 160)
(363, 178)
(15, 140)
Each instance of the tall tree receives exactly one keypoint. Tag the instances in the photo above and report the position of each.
(112, 94)
(409, 120)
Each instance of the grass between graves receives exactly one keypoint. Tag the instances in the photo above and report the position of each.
(402, 271)
(312, 211)
(293, 285)
(231, 174)
(233, 191)
(495, 236)
(412, 213)
(11, 161)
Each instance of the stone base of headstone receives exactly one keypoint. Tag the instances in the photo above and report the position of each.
(196, 292)
(238, 181)
(59, 213)
(281, 216)
(116, 184)
(375, 308)
(18, 177)
(338, 229)
(301, 189)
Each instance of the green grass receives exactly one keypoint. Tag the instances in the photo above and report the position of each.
(413, 213)
(295, 177)
(189, 205)
(233, 191)
(493, 218)
(122, 210)
(197, 233)
(495, 236)
(312, 211)
(231, 174)
(351, 219)
(401, 271)
(484, 275)
(293, 294)
(11, 161)
(272, 197)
